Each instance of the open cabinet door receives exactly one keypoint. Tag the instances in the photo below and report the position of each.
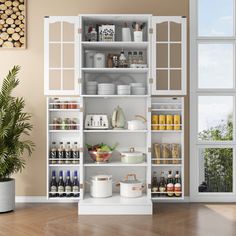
(169, 55)
(61, 50)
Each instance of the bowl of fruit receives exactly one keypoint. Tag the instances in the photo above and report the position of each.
(100, 153)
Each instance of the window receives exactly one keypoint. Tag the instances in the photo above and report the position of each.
(212, 98)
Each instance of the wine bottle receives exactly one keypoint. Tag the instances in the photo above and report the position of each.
(68, 153)
(61, 185)
(53, 185)
(53, 153)
(177, 185)
(61, 154)
(75, 153)
(68, 185)
(170, 184)
(75, 185)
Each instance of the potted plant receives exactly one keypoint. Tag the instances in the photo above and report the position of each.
(14, 129)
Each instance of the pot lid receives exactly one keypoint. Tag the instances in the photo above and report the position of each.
(131, 179)
(101, 177)
(131, 152)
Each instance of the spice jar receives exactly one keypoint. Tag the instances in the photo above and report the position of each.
(157, 150)
(74, 123)
(175, 152)
(115, 61)
(169, 122)
(55, 123)
(56, 103)
(166, 153)
(64, 105)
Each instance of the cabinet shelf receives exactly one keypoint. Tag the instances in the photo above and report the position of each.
(166, 131)
(166, 165)
(113, 164)
(116, 70)
(63, 110)
(114, 96)
(64, 131)
(115, 131)
(64, 165)
(115, 45)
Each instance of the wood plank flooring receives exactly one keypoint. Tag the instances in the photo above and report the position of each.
(168, 219)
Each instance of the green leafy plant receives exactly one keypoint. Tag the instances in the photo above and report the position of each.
(14, 128)
(218, 162)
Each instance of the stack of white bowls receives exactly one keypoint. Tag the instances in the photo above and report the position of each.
(106, 89)
(137, 89)
(91, 87)
(123, 89)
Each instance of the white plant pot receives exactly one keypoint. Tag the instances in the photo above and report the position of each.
(7, 195)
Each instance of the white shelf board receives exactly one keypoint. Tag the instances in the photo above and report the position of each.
(116, 70)
(64, 131)
(115, 205)
(166, 131)
(63, 165)
(115, 131)
(168, 198)
(64, 110)
(167, 165)
(167, 109)
(115, 45)
(112, 164)
(114, 96)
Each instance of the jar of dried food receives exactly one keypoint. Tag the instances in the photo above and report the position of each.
(175, 152)
(157, 150)
(162, 122)
(176, 122)
(154, 122)
(64, 105)
(74, 123)
(166, 153)
(169, 122)
(55, 123)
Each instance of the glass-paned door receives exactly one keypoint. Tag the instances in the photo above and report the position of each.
(169, 55)
(61, 58)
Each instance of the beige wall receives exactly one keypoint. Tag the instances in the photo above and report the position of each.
(32, 182)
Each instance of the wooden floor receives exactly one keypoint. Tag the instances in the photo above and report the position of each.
(168, 219)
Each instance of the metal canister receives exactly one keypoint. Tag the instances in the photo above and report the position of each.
(162, 122)
(169, 122)
(154, 122)
(176, 122)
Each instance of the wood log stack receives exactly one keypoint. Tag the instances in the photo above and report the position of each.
(12, 23)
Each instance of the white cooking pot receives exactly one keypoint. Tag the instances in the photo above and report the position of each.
(101, 186)
(137, 124)
(132, 157)
(131, 187)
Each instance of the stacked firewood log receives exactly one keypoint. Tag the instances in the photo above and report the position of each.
(12, 23)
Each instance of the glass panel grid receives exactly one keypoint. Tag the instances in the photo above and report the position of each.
(168, 43)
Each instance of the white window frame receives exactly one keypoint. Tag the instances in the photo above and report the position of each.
(195, 92)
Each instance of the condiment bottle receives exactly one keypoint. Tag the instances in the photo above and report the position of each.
(140, 58)
(177, 185)
(170, 184)
(130, 58)
(162, 185)
(154, 182)
(93, 35)
(122, 59)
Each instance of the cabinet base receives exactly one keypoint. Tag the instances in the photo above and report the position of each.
(115, 205)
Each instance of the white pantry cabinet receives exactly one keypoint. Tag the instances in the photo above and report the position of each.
(66, 75)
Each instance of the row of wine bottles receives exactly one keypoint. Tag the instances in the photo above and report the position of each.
(64, 154)
(64, 188)
(169, 186)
